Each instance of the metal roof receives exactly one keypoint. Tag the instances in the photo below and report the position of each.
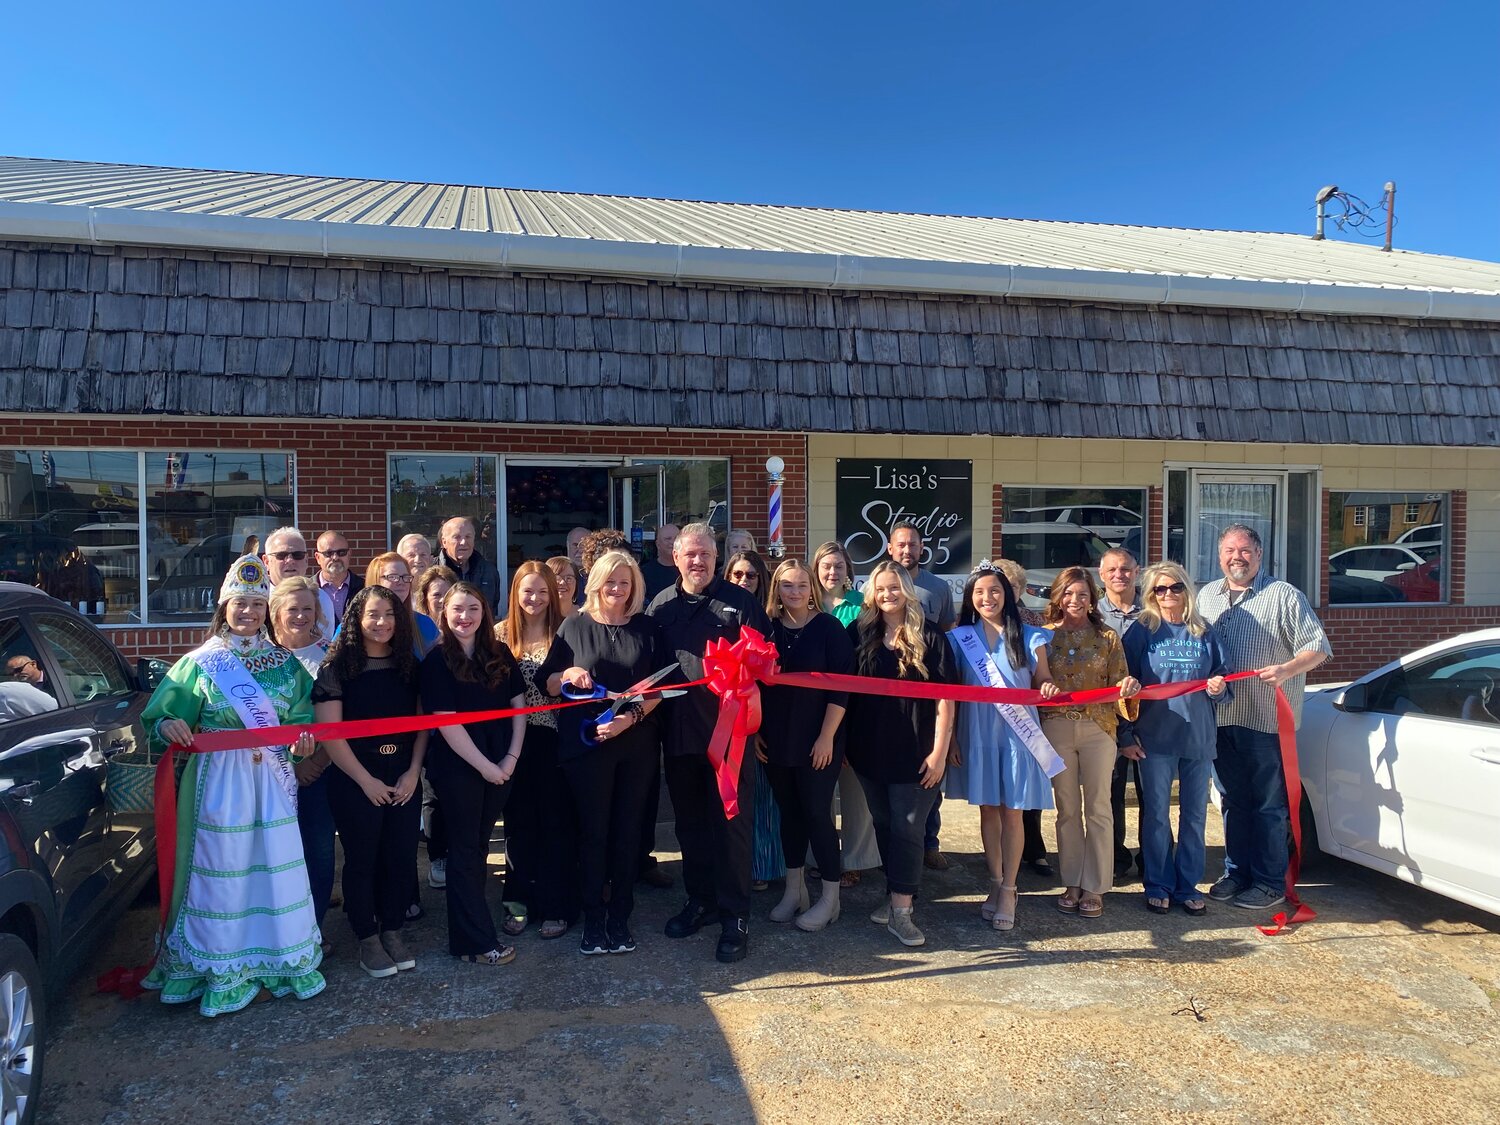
(735, 242)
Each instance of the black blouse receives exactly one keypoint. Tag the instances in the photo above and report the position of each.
(443, 691)
(617, 656)
(792, 717)
(890, 734)
(378, 692)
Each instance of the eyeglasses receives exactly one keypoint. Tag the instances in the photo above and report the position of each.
(282, 556)
(338, 554)
(20, 669)
(1174, 588)
(389, 579)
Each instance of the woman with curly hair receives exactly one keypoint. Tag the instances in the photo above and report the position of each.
(1084, 654)
(371, 673)
(899, 745)
(471, 764)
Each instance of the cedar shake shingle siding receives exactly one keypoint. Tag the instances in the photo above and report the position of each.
(111, 331)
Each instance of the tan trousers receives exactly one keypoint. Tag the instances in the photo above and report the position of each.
(1085, 824)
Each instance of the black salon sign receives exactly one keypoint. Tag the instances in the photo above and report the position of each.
(872, 494)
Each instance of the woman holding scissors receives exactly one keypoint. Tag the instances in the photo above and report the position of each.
(608, 752)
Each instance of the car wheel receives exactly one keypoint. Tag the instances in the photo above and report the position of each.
(22, 1024)
(1312, 855)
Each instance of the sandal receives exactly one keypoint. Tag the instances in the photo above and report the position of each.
(502, 956)
(1090, 906)
(515, 919)
(850, 879)
(1005, 911)
(990, 907)
(1195, 906)
(1067, 902)
(554, 928)
(1158, 905)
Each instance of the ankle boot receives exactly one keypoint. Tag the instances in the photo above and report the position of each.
(826, 910)
(793, 900)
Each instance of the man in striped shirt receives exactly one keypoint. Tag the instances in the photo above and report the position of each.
(1267, 625)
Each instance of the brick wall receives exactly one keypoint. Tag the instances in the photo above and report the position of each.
(341, 470)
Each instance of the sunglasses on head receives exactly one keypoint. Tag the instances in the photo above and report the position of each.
(1174, 588)
(282, 556)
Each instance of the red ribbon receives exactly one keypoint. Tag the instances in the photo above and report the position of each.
(733, 672)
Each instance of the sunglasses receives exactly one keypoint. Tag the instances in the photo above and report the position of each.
(338, 554)
(1174, 588)
(282, 556)
(20, 669)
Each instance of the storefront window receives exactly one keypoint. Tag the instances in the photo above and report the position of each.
(696, 491)
(428, 488)
(203, 510)
(1280, 504)
(74, 524)
(1047, 529)
(1386, 547)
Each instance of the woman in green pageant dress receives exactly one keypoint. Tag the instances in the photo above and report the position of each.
(241, 916)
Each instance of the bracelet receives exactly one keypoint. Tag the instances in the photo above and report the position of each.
(637, 714)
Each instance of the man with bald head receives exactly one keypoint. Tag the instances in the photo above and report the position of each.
(457, 550)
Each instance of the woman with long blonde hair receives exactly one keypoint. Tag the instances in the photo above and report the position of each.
(540, 827)
(1174, 739)
(899, 745)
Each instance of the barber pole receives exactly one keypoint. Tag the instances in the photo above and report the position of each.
(774, 546)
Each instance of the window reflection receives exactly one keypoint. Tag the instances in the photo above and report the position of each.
(1386, 547)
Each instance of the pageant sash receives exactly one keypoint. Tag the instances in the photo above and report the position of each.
(1020, 720)
(256, 712)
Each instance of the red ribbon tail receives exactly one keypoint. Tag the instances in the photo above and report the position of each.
(166, 828)
(726, 750)
(1286, 731)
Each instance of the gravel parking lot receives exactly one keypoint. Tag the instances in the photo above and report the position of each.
(1387, 1008)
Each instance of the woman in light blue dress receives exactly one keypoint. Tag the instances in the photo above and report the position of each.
(991, 766)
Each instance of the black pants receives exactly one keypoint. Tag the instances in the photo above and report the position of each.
(1124, 767)
(380, 846)
(805, 797)
(471, 808)
(541, 832)
(1035, 847)
(716, 851)
(609, 785)
(899, 810)
(653, 810)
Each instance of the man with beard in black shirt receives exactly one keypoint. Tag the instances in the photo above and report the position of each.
(716, 851)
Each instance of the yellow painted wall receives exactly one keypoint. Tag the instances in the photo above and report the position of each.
(1102, 462)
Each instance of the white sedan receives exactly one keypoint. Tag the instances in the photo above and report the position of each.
(1401, 769)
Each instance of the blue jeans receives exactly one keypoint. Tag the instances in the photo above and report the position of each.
(1255, 813)
(315, 822)
(900, 812)
(934, 822)
(1173, 872)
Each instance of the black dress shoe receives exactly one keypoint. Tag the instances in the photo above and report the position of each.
(688, 921)
(734, 942)
(1042, 866)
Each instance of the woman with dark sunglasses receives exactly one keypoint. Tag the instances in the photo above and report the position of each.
(1174, 739)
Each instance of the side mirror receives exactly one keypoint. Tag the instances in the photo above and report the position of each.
(1406, 566)
(1354, 698)
(149, 673)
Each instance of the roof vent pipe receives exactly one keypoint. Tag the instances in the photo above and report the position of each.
(1390, 211)
(1321, 199)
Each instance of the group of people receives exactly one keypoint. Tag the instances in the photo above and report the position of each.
(577, 786)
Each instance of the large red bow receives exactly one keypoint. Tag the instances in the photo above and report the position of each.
(732, 671)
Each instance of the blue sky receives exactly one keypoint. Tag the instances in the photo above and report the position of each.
(1175, 114)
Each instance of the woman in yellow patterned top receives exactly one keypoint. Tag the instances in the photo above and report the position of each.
(1084, 654)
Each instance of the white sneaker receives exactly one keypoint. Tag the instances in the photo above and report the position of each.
(437, 874)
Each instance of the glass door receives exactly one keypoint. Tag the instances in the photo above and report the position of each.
(636, 497)
(1219, 499)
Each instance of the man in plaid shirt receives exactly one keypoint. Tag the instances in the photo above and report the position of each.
(1267, 625)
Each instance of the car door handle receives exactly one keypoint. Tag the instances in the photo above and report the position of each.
(1490, 754)
(25, 792)
(118, 746)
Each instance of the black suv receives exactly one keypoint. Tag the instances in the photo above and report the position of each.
(77, 839)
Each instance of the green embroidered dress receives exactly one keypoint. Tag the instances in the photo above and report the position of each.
(241, 916)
